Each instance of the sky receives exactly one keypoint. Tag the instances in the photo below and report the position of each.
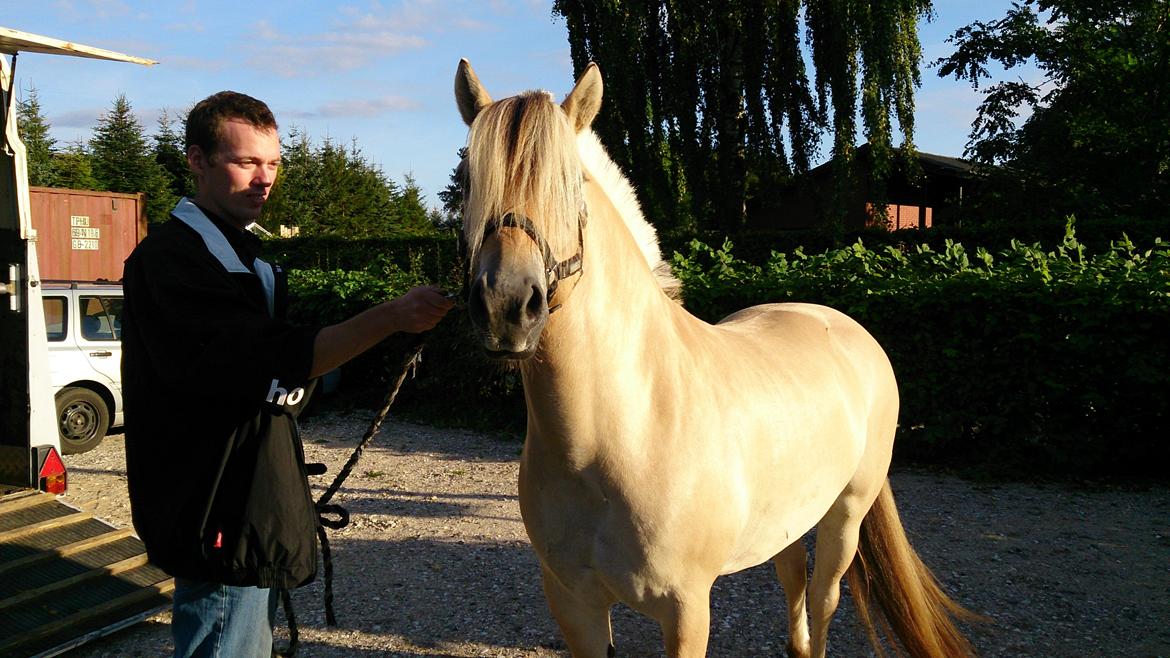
(378, 73)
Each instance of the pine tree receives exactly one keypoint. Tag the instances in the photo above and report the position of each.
(333, 190)
(170, 155)
(122, 161)
(39, 145)
(451, 196)
(291, 200)
(73, 168)
(412, 212)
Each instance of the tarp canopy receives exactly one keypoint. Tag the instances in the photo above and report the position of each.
(13, 41)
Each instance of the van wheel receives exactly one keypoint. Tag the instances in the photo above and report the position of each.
(82, 420)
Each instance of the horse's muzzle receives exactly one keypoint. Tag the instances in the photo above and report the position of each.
(509, 312)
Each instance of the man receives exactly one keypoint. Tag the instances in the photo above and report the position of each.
(214, 378)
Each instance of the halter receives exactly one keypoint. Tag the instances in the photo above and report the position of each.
(554, 270)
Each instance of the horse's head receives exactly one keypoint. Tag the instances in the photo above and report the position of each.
(524, 210)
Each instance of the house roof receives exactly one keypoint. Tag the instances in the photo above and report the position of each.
(932, 164)
(945, 165)
(13, 41)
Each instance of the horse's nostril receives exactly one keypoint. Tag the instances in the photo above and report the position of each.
(535, 303)
(476, 306)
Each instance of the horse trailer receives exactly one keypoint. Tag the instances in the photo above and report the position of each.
(65, 577)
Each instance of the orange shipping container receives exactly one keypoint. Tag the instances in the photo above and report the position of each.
(84, 235)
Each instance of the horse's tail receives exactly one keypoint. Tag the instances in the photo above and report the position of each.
(910, 604)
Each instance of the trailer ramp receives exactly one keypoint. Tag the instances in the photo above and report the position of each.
(67, 578)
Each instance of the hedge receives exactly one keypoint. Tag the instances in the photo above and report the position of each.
(1021, 361)
(756, 246)
(454, 385)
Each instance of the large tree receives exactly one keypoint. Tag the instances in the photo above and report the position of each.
(709, 105)
(451, 196)
(171, 156)
(333, 190)
(122, 161)
(73, 168)
(1096, 138)
(39, 144)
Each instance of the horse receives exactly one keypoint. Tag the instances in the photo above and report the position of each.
(663, 451)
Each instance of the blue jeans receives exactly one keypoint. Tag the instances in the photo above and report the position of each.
(221, 621)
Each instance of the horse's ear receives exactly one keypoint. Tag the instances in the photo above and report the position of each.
(470, 95)
(582, 104)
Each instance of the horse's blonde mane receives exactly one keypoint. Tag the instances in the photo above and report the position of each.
(523, 159)
(622, 195)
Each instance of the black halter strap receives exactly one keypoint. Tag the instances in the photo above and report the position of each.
(554, 270)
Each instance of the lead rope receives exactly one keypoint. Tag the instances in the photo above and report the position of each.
(324, 507)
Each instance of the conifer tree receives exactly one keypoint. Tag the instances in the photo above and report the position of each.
(451, 196)
(73, 168)
(39, 144)
(412, 212)
(334, 190)
(123, 162)
(171, 156)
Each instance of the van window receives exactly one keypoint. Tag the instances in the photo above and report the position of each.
(101, 317)
(55, 318)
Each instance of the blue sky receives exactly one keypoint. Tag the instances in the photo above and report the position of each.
(378, 72)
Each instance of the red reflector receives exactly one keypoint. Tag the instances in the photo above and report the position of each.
(52, 476)
(218, 540)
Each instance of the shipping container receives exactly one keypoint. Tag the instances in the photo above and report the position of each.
(83, 235)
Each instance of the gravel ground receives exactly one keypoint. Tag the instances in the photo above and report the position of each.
(435, 561)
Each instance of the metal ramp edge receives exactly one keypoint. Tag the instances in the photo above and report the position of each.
(67, 578)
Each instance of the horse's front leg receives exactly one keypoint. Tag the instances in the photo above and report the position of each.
(585, 624)
(687, 624)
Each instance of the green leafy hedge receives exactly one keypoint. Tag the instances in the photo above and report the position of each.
(455, 384)
(1023, 361)
(1020, 361)
(756, 246)
(435, 256)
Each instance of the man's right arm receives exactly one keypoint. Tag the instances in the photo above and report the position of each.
(416, 311)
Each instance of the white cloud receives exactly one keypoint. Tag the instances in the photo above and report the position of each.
(365, 108)
(185, 63)
(344, 48)
(360, 36)
(192, 26)
(84, 118)
(90, 9)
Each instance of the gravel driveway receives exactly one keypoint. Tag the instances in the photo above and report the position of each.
(435, 561)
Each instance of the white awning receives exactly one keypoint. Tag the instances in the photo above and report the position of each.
(13, 41)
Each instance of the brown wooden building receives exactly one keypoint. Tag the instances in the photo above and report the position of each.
(927, 197)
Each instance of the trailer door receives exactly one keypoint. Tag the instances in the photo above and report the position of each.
(26, 405)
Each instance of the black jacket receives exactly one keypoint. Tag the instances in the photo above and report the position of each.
(213, 379)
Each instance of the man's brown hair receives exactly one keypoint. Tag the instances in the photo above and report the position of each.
(205, 121)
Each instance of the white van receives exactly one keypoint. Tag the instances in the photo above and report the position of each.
(83, 322)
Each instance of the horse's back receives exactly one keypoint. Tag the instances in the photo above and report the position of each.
(801, 330)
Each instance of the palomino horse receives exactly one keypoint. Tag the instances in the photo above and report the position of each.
(662, 451)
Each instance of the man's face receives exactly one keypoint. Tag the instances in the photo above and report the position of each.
(234, 181)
